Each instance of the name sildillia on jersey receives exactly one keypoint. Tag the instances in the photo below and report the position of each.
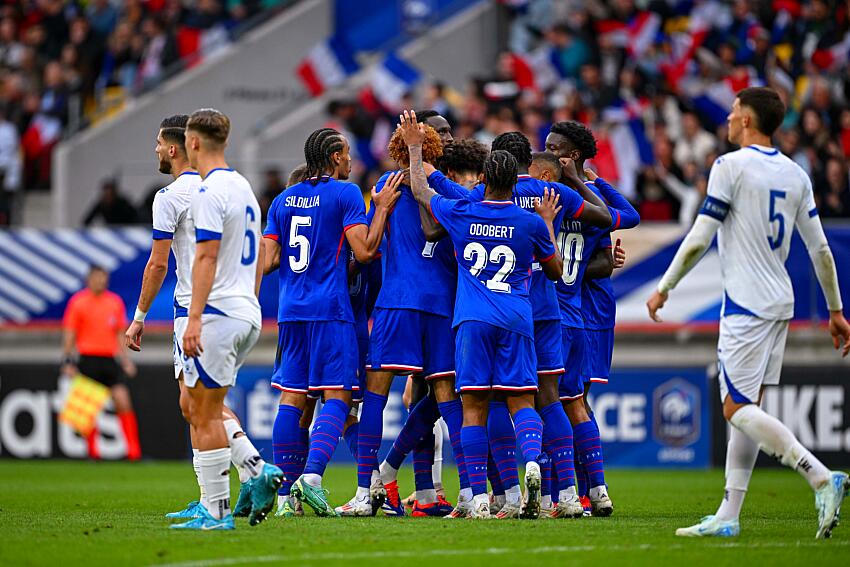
(676, 413)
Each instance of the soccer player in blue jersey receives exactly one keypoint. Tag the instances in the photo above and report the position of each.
(411, 333)
(574, 143)
(311, 227)
(547, 336)
(495, 243)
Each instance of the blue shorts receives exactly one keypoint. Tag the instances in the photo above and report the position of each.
(362, 330)
(315, 355)
(599, 347)
(407, 341)
(571, 387)
(547, 345)
(490, 357)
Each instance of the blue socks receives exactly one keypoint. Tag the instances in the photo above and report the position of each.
(500, 430)
(452, 413)
(529, 433)
(369, 436)
(546, 477)
(350, 436)
(290, 448)
(326, 434)
(423, 462)
(493, 476)
(421, 420)
(558, 443)
(474, 439)
(589, 452)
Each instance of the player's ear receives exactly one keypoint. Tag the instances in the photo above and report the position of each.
(481, 178)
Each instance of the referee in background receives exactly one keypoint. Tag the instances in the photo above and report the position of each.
(94, 324)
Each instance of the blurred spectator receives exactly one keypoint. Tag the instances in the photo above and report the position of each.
(272, 186)
(103, 16)
(112, 208)
(834, 190)
(10, 169)
(695, 143)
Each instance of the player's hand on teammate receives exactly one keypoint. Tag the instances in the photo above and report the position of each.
(590, 174)
(619, 255)
(386, 198)
(655, 303)
(133, 335)
(192, 338)
(548, 206)
(412, 131)
(840, 331)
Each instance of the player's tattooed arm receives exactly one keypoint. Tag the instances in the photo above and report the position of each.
(414, 135)
(548, 209)
(600, 265)
(430, 227)
(595, 210)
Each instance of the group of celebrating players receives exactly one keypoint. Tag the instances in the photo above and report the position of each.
(485, 274)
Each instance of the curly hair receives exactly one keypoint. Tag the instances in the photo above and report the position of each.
(580, 136)
(432, 148)
(516, 144)
(465, 155)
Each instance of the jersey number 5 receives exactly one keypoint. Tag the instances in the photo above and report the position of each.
(299, 264)
(477, 254)
(776, 216)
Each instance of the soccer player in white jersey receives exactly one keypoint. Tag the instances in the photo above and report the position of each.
(173, 230)
(756, 197)
(223, 321)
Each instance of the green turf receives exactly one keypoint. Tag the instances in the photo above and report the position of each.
(74, 513)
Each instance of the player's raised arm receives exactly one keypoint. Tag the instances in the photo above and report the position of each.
(414, 136)
(594, 210)
(365, 240)
(624, 215)
(811, 231)
(548, 209)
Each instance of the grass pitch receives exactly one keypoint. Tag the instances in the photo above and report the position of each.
(77, 513)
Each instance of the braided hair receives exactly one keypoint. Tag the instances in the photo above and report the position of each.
(318, 149)
(579, 135)
(516, 144)
(500, 169)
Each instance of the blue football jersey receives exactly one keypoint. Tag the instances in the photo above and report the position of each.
(496, 243)
(309, 221)
(598, 307)
(544, 299)
(577, 241)
(417, 274)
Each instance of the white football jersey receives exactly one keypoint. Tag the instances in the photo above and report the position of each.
(224, 208)
(172, 220)
(759, 195)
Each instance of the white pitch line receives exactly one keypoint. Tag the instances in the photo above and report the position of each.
(487, 551)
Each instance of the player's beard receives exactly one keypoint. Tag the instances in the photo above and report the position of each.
(164, 166)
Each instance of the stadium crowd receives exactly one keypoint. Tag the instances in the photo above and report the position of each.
(654, 81)
(60, 58)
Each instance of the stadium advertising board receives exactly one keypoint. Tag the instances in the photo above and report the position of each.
(32, 396)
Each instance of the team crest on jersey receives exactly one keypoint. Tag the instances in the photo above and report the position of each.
(676, 413)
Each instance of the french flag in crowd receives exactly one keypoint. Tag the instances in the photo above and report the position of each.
(391, 80)
(636, 36)
(715, 102)
(328, 64)
(632, 149)
(537, 70)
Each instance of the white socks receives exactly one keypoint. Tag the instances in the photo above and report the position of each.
(777, 440)
(245, 456)
(196, 464)
(361, 493)
(513, 495)
(388, 473)
(465, 495)
(215, 475)
(437, 469)
(546, 501)
(313, 480)
(741, 454)
(567, 494)
(428, 496)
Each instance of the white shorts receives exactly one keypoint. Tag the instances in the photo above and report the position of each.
(749, 355)
(226, 342)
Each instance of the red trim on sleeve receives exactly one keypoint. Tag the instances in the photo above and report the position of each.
(547, 258)
(617, 224)
(345, 228)
(339, 248)
(271, 237)
(577, 214)
(430, 210)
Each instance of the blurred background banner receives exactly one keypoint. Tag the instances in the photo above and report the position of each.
(41, 269)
